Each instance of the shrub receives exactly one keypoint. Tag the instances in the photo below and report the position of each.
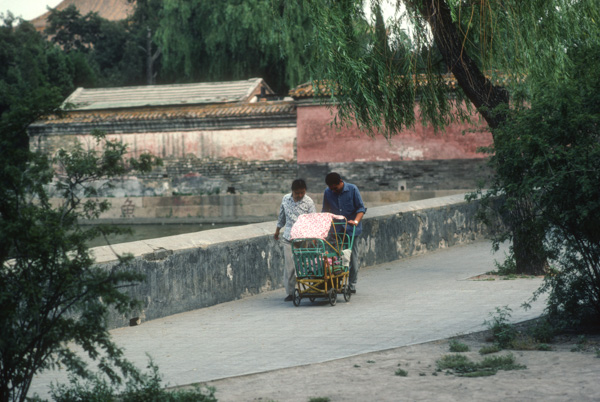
(503, 332)
(456, 346)
(145, 387)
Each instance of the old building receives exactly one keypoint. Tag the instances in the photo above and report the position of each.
(239, 136)
(418, 158)
(212, 137)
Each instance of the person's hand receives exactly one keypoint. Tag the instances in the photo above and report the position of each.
(276, 235)
(353, 223)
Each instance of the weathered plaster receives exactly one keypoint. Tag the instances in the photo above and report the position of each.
(320, 141)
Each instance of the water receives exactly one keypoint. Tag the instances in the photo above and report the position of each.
(142, 232)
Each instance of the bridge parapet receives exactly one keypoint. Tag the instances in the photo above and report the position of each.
(196, 270)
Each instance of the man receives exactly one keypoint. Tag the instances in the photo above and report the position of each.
(344, 199)
(292, 206)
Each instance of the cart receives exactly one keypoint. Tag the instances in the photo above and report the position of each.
(321, 248)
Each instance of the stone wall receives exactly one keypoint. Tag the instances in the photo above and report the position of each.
(227, 208)
(439, 174)
(201, 269)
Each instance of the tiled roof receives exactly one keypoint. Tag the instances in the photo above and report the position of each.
(221, 111)
(166, 95)
(113, 10)
(308, 90)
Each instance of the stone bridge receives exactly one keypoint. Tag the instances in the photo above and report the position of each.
(196, 270)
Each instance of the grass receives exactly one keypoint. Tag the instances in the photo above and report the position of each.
(486, 350)
(401, 372)
(462, 366)
(457, 347)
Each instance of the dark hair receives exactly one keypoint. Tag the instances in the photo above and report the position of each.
(298, 184)
(333, 179)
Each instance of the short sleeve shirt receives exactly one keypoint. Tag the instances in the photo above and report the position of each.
(290, 210)
(348, 203)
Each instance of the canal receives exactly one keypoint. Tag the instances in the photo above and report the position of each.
(150, 231)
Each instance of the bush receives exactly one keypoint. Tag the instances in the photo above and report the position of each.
(456, 346)
(543, 331)
(464, 367)
(503, 332)
(142, 388)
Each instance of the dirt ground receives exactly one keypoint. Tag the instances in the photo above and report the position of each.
(570, 371)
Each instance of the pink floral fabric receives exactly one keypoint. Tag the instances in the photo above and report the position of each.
(313, 226)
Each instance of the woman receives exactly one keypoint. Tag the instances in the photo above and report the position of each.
(292, 206)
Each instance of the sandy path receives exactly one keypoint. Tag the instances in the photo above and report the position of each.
(561, 374)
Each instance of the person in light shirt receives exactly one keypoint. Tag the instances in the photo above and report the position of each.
(292, 206)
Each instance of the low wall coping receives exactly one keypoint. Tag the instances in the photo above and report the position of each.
(207, 238)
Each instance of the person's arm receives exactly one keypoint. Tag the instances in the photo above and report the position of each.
(280, 221)
(326, 205)
(358, 218)
(360, 207)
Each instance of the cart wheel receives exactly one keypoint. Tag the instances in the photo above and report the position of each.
(296, 298)
(347, 293)
(332, 296)
(312, 299)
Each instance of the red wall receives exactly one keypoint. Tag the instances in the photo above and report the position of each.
(318, 141)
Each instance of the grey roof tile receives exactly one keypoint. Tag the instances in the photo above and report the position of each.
(165, 95)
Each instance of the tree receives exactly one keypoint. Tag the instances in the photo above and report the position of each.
(495, 51)
(101, 52)
(144, 23)
(548, 150)
(32, 72)
(50, 291)
(72, 31)
(230, 40)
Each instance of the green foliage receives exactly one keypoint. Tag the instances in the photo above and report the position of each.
(401, 372)
(462, 366)
(102, 52)
(486, 350)
(547, 152)
(231, 40)
(457, 347)
(144, 387)
(543, 331)
(503, 332)
(32, 72)
(71, 31)
(508, 267)
(51, 291)
(370, 75)
(319, 399)
(501, 54)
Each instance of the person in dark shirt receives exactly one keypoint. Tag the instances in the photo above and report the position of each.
(344, 199)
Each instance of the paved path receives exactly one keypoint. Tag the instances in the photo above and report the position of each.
(410, 301)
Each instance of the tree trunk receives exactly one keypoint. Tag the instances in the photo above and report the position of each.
(486, 97)
(149, 61)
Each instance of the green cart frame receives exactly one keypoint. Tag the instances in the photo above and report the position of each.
(322, 264)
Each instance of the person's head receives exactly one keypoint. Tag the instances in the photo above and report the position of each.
(334, 182)
(298, 189)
